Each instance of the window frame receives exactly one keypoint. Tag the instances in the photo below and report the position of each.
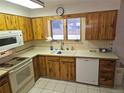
(67, 30)
(52, 30)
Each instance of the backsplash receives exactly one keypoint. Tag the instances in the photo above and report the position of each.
(77, 45)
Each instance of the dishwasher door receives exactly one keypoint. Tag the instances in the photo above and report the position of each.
(87, 70)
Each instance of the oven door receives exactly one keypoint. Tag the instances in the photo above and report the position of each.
(19, 77)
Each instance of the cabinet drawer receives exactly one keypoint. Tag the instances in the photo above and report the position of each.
(67, 59)
(52, 59)
(107, 64)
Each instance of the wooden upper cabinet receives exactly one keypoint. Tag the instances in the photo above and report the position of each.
(92, 25)
(25, 25)
(22, 26)
(101, 25)
(37, 24)
(107, 26)
(2, 22)
(11, 22)
(28, 29)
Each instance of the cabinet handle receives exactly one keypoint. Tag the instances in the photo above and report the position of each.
(86, 60)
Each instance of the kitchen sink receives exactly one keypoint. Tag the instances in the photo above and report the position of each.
(62, 52)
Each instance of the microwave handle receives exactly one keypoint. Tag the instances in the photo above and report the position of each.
(21, 67)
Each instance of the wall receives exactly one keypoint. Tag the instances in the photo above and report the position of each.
(78, 45)
(87, 6)
(6, 7)
(119, 41)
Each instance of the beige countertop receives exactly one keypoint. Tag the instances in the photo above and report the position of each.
(2, 72)
(75, 53)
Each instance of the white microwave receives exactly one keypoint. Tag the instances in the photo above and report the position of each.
(10, 39)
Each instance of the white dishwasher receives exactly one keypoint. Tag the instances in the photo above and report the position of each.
(87, 70)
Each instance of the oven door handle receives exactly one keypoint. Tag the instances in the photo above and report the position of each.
(21, 67)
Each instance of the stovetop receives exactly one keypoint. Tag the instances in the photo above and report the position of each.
(13, 62)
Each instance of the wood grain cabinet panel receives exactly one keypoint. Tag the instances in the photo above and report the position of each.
(11, 22)
(92, 26)
(2, 22)
(101, 25)
(37, 73)
(42, 66)
(107, 72)
(28, 29)
(53, 67)
(4, 84)
(67, 69)
(38, 31)
(107, 26)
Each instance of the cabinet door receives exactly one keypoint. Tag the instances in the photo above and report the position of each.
(36, 67)
(52, 67)
(5, 88)
(2, 22)
(107, 72)
(107, 26)
(38, 31)
(28, 29)
(67, 69)
(92, 26)
(21, 23)
(11, 22)
(42, 66)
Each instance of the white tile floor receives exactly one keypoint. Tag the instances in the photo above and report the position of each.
(44, 85)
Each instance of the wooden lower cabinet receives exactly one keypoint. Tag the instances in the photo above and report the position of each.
(36, 68)
(52, 64)
(54, 67)
(67, 69)
(4, 84)
(107, 72)
(42, 66)
(39, 64)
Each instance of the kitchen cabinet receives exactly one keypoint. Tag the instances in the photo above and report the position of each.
(38, 30)
(2, 22)
(87, 70)
(107, 72)
(11, 22)
(4, 84)
(107, 26)
(101, 25)
(40, 69)
(36, 62)
(42, 66)
(26, 27)
(52, 64)
(92, 26)
(67, 68)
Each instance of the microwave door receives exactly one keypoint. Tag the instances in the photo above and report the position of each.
(7, 43)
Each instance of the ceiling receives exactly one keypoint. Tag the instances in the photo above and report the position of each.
(55, 3)
(50, 3)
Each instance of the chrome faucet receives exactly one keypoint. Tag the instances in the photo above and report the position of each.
(62, 45)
